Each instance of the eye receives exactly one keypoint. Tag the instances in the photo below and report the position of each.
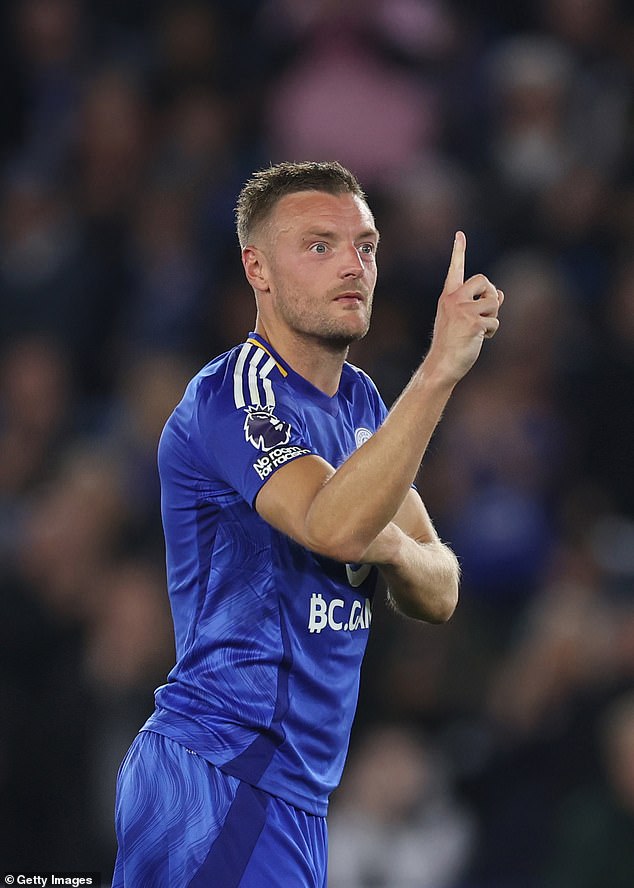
(319, 247)
(369, 249)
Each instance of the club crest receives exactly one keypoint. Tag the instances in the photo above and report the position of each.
(362, 435)
(264, 430)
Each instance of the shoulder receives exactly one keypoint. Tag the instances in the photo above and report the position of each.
(257, 377)
(241, 391)
(245, 375)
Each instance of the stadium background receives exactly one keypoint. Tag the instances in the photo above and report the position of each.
(495, 751)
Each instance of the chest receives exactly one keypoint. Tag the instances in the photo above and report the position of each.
(335, 437)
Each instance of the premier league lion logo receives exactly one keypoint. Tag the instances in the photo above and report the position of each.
(264, 430)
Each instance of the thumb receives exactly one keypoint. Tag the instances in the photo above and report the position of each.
(455, 274)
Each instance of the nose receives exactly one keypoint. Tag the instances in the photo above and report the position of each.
(352, 264)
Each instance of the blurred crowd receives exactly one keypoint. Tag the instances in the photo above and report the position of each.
(496, 751)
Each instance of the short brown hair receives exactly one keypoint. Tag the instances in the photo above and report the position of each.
(266, 187)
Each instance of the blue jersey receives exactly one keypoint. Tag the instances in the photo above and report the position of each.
(269, 635)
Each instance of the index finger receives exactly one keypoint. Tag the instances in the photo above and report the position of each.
(455, 274)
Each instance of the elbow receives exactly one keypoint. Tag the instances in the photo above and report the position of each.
(448, 591)
(447, 599)
(339, 544)
(432, 605)
(445, 606)
(343, 550)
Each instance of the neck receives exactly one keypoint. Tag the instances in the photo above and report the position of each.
(320, 361)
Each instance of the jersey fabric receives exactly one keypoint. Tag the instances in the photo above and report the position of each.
(269, 636)
(183, 822)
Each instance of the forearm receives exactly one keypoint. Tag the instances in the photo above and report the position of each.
(364, 494)
(422, 576)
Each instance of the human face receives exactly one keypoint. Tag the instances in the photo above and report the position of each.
(321, 252)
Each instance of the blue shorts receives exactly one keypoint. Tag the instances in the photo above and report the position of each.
(183, 823)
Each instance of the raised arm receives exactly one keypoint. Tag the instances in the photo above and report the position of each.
(342, 513)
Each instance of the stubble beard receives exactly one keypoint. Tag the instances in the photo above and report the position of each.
(332, 335)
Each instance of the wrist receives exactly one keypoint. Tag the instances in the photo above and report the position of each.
(437, 378)
(433, 386)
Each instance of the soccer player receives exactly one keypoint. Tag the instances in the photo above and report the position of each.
(287, 487)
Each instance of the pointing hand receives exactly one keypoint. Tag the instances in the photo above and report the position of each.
(467, 314)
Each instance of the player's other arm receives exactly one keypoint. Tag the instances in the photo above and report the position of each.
(422, 573)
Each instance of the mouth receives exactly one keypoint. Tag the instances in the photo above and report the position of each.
(350, 298)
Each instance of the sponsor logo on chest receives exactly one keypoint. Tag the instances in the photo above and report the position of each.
(337, 615)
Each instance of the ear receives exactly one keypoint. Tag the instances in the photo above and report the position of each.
(255, 268)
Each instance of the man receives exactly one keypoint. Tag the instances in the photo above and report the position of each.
(287, 488)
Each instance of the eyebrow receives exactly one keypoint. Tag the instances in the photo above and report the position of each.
(329, 235)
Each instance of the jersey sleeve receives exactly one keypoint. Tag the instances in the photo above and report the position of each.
(244, 444)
